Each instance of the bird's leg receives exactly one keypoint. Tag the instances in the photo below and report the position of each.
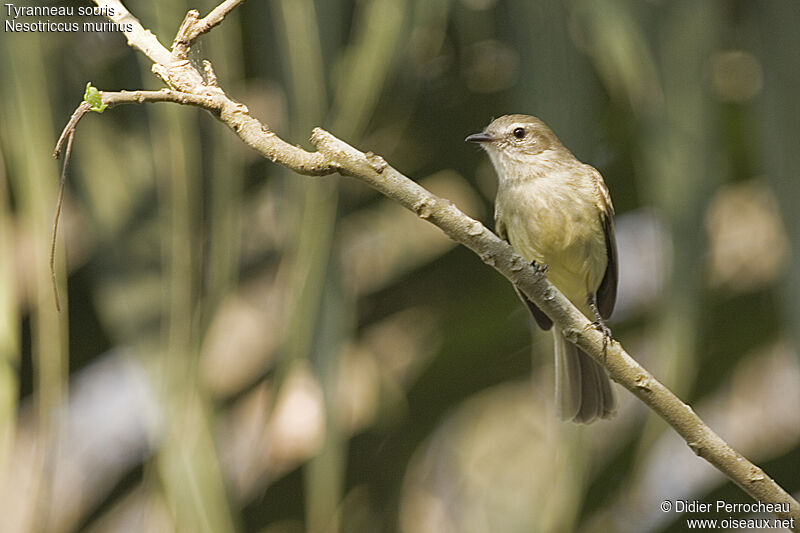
(599, 323)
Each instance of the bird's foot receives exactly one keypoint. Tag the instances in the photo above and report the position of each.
(600, 325)
(540, 268)
(607, 337)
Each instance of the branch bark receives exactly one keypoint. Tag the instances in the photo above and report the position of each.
(187, 87)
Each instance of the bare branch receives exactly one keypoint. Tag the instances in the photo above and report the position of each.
(81, 110)
(113, 99)
(216, 16)
(193, 26)
(334, 155)
(183, 39)
(70, 135)
(139, 38)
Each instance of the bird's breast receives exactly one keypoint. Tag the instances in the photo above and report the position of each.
(551, 222)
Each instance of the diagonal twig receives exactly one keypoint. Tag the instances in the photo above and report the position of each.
(193, 26)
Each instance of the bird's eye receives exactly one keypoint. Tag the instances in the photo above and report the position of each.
(519, 133)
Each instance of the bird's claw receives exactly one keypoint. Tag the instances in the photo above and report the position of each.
(541, 268)
(601, 326)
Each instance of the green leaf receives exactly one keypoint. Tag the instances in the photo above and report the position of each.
(92, 96)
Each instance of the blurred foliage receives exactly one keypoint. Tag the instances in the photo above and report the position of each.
(249, 350)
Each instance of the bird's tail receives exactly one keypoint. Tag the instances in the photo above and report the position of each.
(583, 390)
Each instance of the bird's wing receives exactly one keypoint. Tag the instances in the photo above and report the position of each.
(542, 319)
(607, 292)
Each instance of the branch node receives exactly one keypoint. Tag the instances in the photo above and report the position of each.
(476, 228)
(756, 475)
(697, 447)
(488, 258)
(424, 208)
(160, 71)
(185, 35)
(571, 334)
(642, 383)
(211, 77)
(376, 162)
(518, 263)
(549, 294)
(321, 139)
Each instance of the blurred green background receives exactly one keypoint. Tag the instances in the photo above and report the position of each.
(245, 349)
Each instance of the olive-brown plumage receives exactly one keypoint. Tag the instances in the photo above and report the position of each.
(556, 211)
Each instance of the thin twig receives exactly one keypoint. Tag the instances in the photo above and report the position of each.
(193, 27)
(216, 16)
(113, 99)
(183, 39)
(70, 135)
(77, 115)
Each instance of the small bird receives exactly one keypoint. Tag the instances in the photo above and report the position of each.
(556, 212)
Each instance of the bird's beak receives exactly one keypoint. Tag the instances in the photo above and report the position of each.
(482, 137)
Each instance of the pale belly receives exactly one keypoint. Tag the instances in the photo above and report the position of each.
(565, 235)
